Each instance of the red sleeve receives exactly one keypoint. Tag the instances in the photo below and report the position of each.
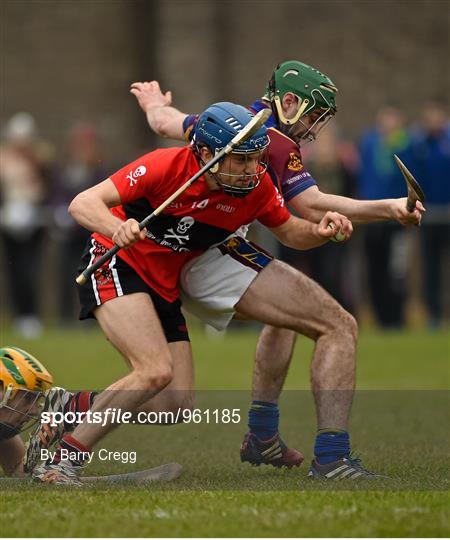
(140, 178)
(273, 212)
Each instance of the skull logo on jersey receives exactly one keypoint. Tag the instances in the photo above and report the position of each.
(133, 176)
(181, 235)
(185, 224)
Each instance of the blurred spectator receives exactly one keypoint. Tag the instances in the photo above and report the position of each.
(332, 163)
(81, 168)
(385, 243)
(24, 181)
(432, 165)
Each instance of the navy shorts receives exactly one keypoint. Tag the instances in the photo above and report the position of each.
(116, 278)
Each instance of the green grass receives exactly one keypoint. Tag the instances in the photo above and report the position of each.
(147, 512)
(399, 424)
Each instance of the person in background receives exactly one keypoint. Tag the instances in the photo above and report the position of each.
(431, 146)
(335, 162)
(385, 243)
(24, 187)
(80, 169)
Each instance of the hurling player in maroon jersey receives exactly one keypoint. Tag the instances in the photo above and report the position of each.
(302, 100)
(135, 298)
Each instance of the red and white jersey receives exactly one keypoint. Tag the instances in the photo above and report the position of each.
(195, 221)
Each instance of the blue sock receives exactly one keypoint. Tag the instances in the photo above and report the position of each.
(263, 419)
(331, 445)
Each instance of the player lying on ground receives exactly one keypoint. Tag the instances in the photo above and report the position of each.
(25, 393)
(135, 296)
(302, 100)
(24, 383)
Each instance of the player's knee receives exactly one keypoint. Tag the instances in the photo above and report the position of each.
(339, 320)
(161, 377)
(155, 378)
(153, 372)
(339, 323)
(350, 325)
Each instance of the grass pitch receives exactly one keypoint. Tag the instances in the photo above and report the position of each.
(399, 424)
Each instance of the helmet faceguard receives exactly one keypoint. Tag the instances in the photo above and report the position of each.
(215, 128)
(23, 380)
(19, 413)
(315, 91)
(251, 180)
(311, 131)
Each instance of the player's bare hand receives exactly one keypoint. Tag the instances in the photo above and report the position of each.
(335, 226)
(149, 95)
(128, 233)
(401, 214)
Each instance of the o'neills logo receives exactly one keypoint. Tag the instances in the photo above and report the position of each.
(225, 208)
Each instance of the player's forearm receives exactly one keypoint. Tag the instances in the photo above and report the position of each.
(314, 205)
(93, 214)
(166, 121)
(301, 235)
(11, 456)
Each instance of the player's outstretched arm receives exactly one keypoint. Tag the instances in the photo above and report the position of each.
(11, 456)
(312, 204)
(302, 234)
(163, 119)
(91, 207)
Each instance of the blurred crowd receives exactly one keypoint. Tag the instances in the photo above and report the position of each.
(36, 187)
(37, 184)
(382, 258)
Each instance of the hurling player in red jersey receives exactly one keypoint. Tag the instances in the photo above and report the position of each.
(302, 100)
(134, 297)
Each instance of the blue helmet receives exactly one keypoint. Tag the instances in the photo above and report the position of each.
(220, 122)
(215, 128)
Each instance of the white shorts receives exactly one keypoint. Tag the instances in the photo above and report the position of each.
(212, 284)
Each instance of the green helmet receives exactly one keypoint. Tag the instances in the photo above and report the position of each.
(313, 89)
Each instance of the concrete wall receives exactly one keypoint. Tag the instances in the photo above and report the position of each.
(67, 59)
